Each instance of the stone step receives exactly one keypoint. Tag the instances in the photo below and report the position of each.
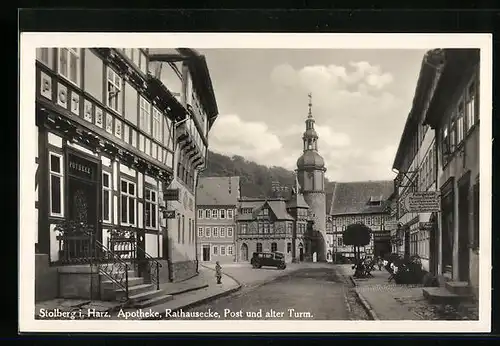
(132, 281)
(440, 295)
(458, 287)
(153, 301)
(119, 275)
(145, 295)
(133, 291)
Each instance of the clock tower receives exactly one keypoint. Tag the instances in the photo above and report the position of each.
(311, 176)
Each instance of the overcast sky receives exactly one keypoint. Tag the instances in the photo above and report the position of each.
(361, 99)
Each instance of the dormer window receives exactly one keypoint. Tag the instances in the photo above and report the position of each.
(375, 200)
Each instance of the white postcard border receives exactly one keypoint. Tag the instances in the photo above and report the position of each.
(27, 128)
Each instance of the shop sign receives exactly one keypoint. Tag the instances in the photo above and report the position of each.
(425, 226)
(171, 195)
(169, 214)
(423, 202)
(80, 167)
(390, 224)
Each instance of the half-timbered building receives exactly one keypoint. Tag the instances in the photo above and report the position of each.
(120, 131)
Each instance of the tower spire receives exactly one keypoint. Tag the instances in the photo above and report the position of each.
(310, 105)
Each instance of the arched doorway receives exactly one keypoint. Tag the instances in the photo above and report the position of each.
(301, 252)
(244, 252)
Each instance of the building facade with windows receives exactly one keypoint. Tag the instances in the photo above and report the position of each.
(111, 139)
(360, 202)
(453, 113)
(415, 162)
(216, 205)
(272, 224)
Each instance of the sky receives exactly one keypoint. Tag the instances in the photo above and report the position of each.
(360, 102)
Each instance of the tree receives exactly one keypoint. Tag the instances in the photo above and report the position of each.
(357, 234)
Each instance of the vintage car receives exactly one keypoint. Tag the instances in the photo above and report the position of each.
(268, 259)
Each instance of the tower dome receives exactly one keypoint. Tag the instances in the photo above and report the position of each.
(310, 159)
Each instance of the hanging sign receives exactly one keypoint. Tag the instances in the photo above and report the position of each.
(425, 226)
(171, 195)
(423, 202)
(390, 224)
(169, 214)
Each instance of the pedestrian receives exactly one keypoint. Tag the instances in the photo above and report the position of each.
(218, 272)
(380, 263)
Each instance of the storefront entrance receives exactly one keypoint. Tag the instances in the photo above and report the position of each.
(82, 198)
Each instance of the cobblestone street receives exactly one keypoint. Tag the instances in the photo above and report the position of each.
(317, 292)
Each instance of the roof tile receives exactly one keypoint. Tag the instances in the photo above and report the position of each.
(353, 197)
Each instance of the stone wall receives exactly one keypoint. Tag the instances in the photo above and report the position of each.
(183, 270)
(76, 282)
(45, 279)
(164, 277)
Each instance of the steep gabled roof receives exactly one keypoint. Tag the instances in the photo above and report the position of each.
(297, 201)
(354, 197)
(279, 209)
(218, 191)
(277, 206)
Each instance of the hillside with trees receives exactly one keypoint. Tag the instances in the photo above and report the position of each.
(256, 180)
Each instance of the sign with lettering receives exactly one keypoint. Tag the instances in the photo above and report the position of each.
(423, 202)
(425, 226)
(169, 214)
(171, 195)
(390, 224)
(82, 168)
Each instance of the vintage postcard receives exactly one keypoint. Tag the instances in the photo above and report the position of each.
(298, 182)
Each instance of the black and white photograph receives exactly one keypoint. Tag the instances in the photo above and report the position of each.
(293, 182)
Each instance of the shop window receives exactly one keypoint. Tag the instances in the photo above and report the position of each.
(274, 247)
(151, 208)
(128, 202)
(56, 185)
(106, 197)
